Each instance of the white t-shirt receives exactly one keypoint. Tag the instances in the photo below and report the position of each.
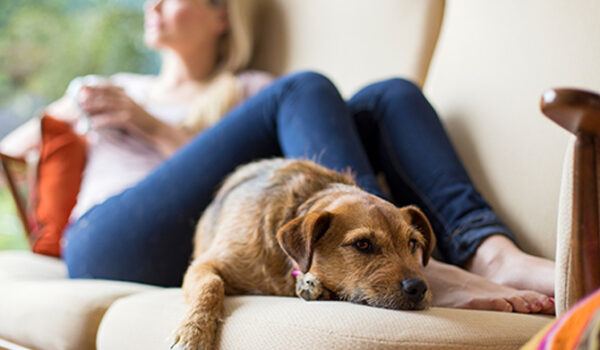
(117, 160)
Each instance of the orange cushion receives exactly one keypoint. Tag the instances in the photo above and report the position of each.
(61, 164)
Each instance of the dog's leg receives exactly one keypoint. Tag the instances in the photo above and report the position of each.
(204, 292)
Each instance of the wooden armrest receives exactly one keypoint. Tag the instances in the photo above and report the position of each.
(578, 111)
(11, 158)
(6, 163)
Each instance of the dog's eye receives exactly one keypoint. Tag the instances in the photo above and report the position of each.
(413, 244)
(363, 246)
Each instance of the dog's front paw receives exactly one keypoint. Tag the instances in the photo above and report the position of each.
(192, 335)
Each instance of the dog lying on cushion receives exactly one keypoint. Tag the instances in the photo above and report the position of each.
(280, 227)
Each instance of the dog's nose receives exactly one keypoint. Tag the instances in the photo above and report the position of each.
(414, 289)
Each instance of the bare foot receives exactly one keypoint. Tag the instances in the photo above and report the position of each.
(454, 287)
(500, 261)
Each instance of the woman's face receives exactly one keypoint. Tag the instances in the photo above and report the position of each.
(183, 25)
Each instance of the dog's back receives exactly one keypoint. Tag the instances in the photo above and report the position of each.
(253, 203)
(247, 183)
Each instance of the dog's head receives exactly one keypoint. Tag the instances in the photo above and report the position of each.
(364, 249)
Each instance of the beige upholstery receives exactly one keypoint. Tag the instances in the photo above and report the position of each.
(24, 265)
(42, 309)
(493, 61)
(258, 322)
(352, 42)
(58, 314)
(565, 282)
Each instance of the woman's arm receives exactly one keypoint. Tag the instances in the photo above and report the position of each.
(21, 140)
(28, 136)
(64, 109)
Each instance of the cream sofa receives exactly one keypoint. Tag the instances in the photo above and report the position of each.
(484, 75)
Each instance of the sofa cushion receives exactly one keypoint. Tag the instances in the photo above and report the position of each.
(145, 321)
(25, 265)
(57, 313)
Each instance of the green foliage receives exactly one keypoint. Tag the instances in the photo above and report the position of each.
(45, 44)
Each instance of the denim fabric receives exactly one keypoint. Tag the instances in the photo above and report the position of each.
(145, 233)
(406, 141)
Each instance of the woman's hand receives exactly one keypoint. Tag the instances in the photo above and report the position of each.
(110, 106)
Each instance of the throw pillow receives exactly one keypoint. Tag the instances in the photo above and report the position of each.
(60, 168)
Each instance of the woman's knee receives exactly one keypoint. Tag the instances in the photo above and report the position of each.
(379, 96)
(398, 99)
(309, 99)
(399, 88)
(310, 81)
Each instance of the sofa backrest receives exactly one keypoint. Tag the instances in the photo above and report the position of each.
(353, 42)
(493, 61)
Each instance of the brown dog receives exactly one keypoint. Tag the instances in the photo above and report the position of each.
(273, 217)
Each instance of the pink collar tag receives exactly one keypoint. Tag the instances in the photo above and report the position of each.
(296, 272)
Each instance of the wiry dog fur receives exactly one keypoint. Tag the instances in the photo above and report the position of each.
(274, 216)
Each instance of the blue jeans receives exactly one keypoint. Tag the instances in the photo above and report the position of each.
(145, 233)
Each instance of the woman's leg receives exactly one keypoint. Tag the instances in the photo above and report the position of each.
(145, 233)
(422, 167)
(406, 140)
(499, 260)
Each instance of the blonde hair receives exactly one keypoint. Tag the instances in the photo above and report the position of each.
(234, 55)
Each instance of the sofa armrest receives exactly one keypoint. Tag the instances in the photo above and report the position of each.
(578, 112)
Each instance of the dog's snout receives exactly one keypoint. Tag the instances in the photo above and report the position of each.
(414, 289)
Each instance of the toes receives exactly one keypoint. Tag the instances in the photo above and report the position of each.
(549, 307)
(521, 305)
(539, 303)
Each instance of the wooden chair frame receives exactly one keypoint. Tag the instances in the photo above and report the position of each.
(578, 111)
(5, 164)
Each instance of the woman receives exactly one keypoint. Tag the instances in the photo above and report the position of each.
(139, 226)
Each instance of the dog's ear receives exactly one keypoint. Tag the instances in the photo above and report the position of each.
(297, 237)
(419, 221)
